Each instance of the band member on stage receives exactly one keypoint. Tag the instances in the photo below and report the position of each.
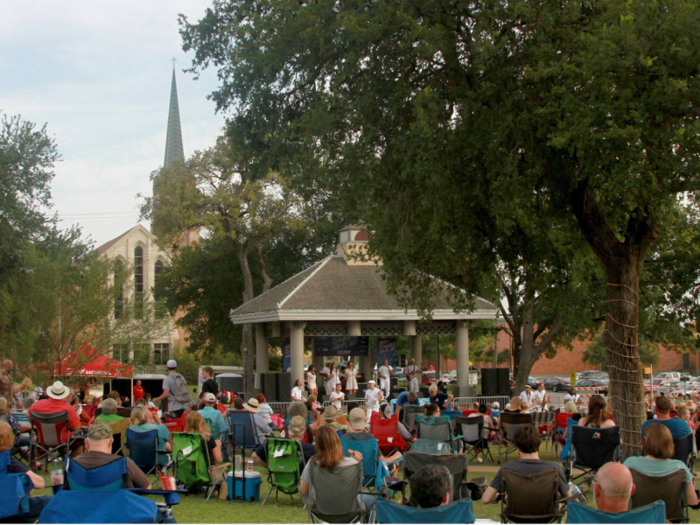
(384, 374)
(413, 373)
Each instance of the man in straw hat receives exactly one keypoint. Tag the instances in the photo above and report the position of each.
(262, 427)
(330, 418)
(59, 398)
(296, 430)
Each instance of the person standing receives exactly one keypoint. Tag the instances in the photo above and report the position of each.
(372, 397)
(540, 397)
(139, 392)
(384, 372)
(413, 374)
(7, 384)
(351, 378)
(338, 397)
(334, 377)
(326, 373)
(176, 391)
(311, 380)
(209, 385)
(573, 396)
(526, 396)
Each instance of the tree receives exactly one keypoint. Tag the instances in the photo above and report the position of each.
(595, 352)
(214, 191)
(578, 115)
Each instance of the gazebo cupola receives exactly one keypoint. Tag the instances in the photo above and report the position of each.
(352, 244)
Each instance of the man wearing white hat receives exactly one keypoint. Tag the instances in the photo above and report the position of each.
(59, 401)
(176, 391)
(526, 396)
(372, 397)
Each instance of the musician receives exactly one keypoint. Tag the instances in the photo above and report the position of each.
(413, 375)
(573, 396)
(526, 395)
(372, 398)
(326, 374)
(384, 374)
(540, 398)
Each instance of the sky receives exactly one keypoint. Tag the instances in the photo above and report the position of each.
(98, 74)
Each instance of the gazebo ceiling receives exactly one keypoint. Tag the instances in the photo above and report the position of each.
(333, 290)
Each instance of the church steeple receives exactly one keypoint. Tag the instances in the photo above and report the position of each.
(173, 143)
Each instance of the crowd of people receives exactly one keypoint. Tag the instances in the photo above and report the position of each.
(321, 432)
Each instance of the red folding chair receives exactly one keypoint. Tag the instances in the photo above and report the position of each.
(468, 411)
(560, 423)
(387, 433)
(51, 434)
(177, 424)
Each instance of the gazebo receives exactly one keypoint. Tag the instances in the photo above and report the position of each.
(344, 296)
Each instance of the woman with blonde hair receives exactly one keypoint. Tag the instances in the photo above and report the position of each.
(140, 422)
(195, 424)
(658, 461)
(351, 378)
(598, 416)
(329, 456)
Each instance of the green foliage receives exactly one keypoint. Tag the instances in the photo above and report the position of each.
(595, 354)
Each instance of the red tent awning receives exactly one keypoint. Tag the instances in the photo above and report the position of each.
(89, 362)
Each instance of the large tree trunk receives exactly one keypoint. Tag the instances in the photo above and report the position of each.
(247, 347)
(621, 345)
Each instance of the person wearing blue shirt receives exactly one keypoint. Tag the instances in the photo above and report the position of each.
(678, 427)
(139, 423)
(405, 398)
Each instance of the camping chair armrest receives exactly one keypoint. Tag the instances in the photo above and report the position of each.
(170, 496)
(392, 462)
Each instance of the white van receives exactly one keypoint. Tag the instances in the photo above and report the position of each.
(672, 376)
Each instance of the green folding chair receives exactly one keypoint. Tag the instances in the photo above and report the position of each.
(191, 460)
(285, 463)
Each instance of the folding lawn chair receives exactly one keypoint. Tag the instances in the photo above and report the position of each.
(285, 463)
(530, 498)
(14, 491)
(455, 463)
(373, 468)
(591, 448)
(192, 463)
(510, 423)
(653, 513)
(111, 476)
(119, 429)
(242, 428)
(409, 414)
(683, 451)
(457, 512)
(51, 435)
(387, 433)
(142, 448)
(437, 429)
(670, 489)
(335, 495)
(560, 423)
(472, 429)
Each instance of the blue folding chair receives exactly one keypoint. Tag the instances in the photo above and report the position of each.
(111, 476)
(452, 414)
(566, 449)
(245, 435)
(653, 513)
(457, 512)
(113, 506)
(374, 470)
(143, 450)
(14, 490)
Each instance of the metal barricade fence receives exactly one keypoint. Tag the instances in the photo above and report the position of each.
(348, 404)
(279, 407)
(459, 403)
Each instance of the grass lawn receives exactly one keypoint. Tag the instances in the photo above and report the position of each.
(195, 509)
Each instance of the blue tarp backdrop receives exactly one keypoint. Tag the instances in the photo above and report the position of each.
(386, 349)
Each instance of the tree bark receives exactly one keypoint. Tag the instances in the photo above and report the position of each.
(247, 339)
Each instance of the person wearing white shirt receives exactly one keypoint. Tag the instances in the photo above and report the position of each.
(296, 391)
(413, 372)
(338, 397)
(372, 397)
(573, 396)
(334, 378)
(326, 373)
(526, 396)
(384, 374)
(539, 398)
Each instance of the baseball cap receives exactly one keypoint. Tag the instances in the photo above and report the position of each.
(357, 419)
(99, 431)
(171, 364)
(209, 398)
(496, 405)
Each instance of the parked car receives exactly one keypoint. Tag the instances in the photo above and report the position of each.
(676, 376)
(557, 384)
(428, 377)
(601, 384)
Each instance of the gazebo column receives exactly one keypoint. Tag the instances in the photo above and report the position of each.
(296, 350)
(463, 387)
(262, 357)
(416, 349)
(318, 362)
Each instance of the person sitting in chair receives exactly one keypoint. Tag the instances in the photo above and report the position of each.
(296, 430)
(431, 486)
(527, 439)
(140, 423)
(613, 488)
(356, 432)
(109, 411)
(678, 427)
(195, 424)
(98, 446)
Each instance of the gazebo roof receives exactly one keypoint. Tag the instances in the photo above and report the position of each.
(333, 290)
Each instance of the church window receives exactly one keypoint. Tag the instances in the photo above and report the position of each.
(119, 294)
(138, 278)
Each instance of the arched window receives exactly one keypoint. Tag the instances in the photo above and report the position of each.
(157, 273)
(138, 278)
(118, 294)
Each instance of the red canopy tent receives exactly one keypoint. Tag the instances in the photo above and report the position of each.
(89, 362)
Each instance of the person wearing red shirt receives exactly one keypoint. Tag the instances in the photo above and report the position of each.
(139, 392)
(59, 401)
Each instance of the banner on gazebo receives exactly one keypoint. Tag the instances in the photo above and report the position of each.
(342, 346)
(386, 349)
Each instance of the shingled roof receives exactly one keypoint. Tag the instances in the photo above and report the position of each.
(334, 290)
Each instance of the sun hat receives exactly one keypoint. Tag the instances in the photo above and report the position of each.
(58, 391)
(171, 364)
(331, 413)
(252, 405)
(209, 398)
(357, 419)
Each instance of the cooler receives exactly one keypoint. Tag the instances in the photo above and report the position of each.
(253, 480)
